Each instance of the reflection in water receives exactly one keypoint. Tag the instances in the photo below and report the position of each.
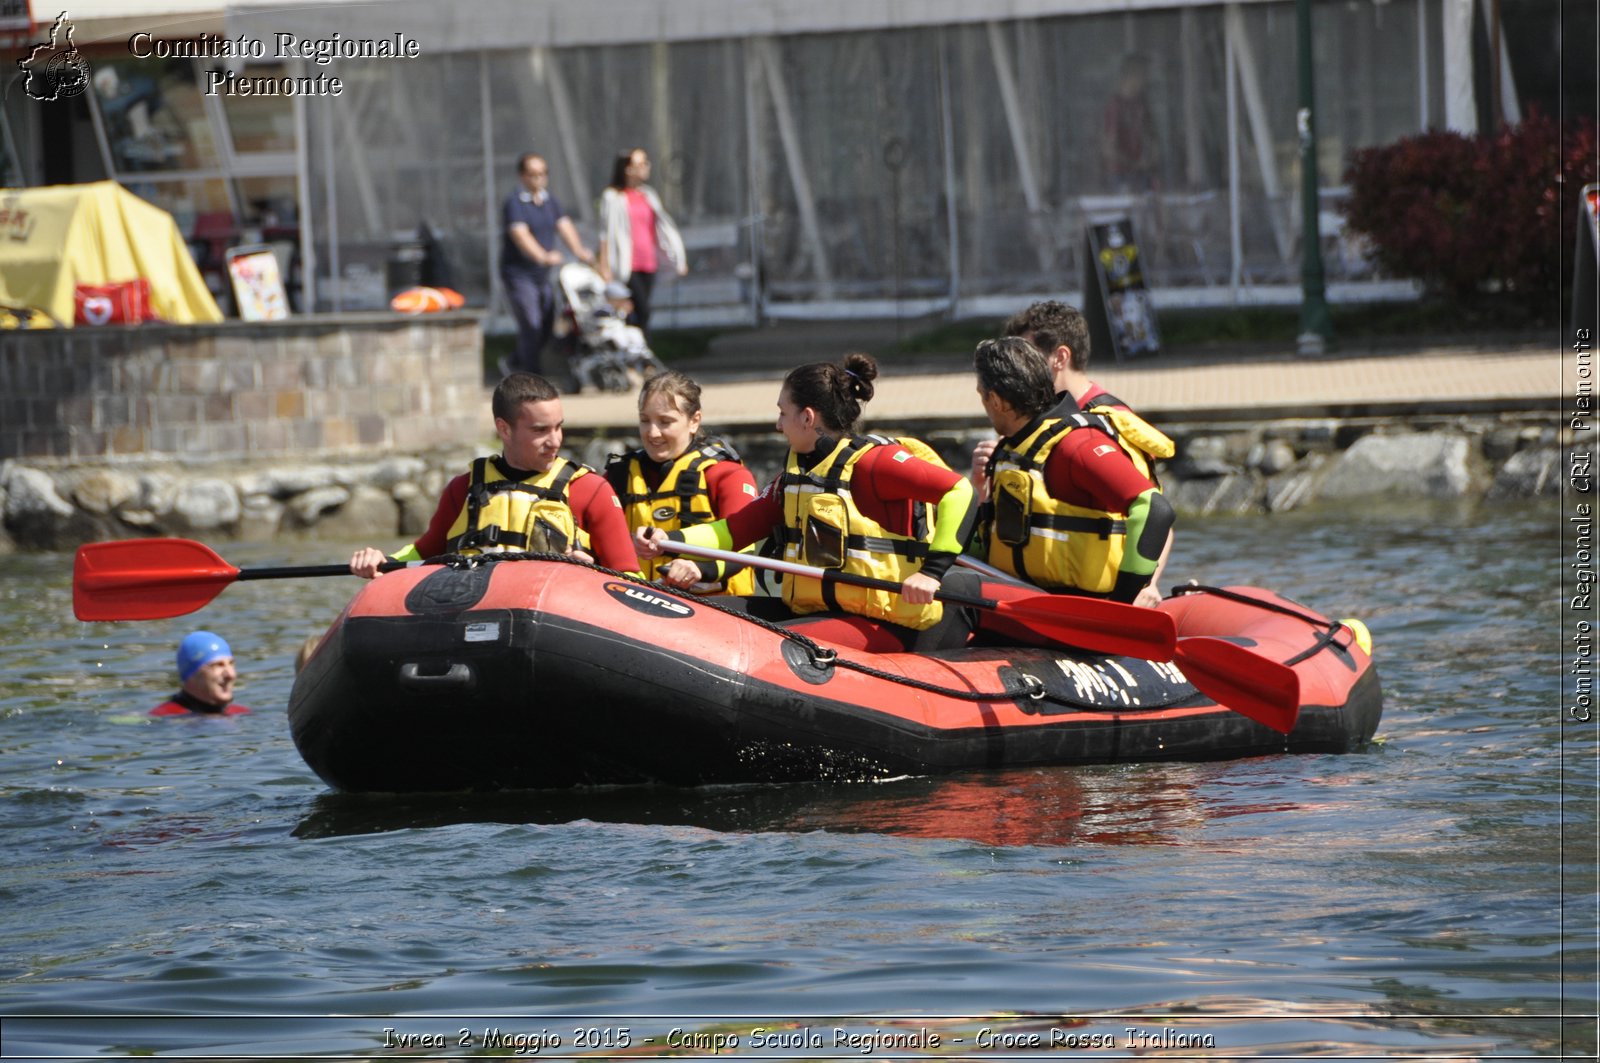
(166, 830)
(1123, 805)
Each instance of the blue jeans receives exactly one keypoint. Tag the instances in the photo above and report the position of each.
(533, 304)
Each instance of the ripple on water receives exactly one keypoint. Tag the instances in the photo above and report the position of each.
(1289, 905)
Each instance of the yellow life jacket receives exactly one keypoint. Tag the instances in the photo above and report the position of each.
(530, 514)
(1051, 544)
(682, 500)
(824, 529)
(1141, 441)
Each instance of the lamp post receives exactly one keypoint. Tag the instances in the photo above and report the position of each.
(1316, 328)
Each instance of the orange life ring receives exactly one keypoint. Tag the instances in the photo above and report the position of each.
(426, 300)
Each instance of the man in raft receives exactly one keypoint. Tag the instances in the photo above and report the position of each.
(207, 674)
(856, 504)
(529, 498)
(1067, 510)
(1061, 333)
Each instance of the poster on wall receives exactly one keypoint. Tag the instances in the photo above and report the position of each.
(1117, 303)
(257, 283)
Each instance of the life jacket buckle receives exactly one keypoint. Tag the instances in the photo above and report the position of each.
(479, 538)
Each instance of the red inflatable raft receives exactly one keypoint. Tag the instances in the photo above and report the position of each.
(541, 673)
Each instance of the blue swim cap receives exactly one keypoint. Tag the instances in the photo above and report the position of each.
(198, 649)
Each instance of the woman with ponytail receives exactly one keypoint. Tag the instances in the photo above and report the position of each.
(859, 504)
(677, 479)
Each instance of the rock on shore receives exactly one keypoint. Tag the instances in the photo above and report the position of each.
(59, 506)
(1226, 469)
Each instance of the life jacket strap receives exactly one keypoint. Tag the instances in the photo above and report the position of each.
(492, 536)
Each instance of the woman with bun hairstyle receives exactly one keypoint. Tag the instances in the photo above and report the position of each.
(677, 479)
(858, 504)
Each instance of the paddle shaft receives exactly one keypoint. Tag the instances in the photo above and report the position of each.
(990, 572)
(309, 571)
(794, 568)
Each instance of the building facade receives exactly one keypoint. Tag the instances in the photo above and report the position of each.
(869, 158)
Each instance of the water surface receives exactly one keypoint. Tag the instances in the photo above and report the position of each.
(189, 886)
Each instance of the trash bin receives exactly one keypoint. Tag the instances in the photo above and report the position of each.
(403, 268)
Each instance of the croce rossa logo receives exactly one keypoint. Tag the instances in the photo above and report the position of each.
(55, 69)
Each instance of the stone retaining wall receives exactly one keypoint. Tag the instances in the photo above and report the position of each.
(308, 384)
(387, 499)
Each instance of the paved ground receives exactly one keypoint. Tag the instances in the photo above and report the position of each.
(741, 373)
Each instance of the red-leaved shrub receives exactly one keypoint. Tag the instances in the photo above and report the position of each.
(1472, 215)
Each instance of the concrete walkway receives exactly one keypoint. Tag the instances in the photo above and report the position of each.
(741, 375)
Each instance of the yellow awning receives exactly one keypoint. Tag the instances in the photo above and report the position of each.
(57, 237)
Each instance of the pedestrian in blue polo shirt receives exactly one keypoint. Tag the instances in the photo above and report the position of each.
(533, 219)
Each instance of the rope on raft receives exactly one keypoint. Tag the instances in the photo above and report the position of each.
(1325, 638)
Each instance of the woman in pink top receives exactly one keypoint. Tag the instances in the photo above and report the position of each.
(636, 233)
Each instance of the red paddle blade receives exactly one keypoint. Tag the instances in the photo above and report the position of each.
(146, 579)
(1095, 625)
(1240, 679)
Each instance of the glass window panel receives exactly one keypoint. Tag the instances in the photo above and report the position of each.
(818, 164)
(194, 203)
(268, 202)
(400, 150)
(867, 143)
(261, 123)
(523, 118)
(154, 115)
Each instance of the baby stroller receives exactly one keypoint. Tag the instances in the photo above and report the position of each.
(604, 351)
